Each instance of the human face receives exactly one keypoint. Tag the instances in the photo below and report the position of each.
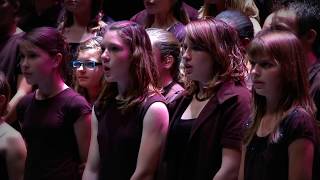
(116, 58)
(77, 6)
(266, 76)
(198, 63)
(36, 64)
(158, 6)
(89, 77)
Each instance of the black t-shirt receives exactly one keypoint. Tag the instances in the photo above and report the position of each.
(47, 127)
(266, 161)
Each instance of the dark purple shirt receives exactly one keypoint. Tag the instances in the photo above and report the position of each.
(47, 127)
(265, 160)
(219, 125)
(119, 138)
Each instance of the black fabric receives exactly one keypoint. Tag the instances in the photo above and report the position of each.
(3, 166)
(265, 160)
(47, 127)
(119, 137)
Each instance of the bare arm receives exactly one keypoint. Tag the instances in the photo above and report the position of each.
(91, 170)
(301, 153)
(82, 129)
(241, 170)
(155, 126)
(23, 89)
(16, 156)
(230, 165)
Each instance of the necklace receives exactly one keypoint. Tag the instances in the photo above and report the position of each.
(203, 98)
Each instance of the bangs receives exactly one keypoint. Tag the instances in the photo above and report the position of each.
(256, 48)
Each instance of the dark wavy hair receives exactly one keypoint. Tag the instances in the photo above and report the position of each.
(143, 69)
(222, 43)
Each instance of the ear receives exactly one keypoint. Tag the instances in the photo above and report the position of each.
(57, 60)
(168, 61)
(311, 36)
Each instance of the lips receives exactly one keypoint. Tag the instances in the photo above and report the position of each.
(257, 84)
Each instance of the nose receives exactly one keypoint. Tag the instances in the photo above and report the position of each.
(80, 68)
(23, 63)
(105, 57)
(255, 70)
(186, 56)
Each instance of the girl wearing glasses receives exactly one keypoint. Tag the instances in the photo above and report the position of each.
(55, 119)
(88, 69)
(130, 119)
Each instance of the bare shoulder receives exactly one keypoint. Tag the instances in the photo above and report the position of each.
(12, 139)
(157, 113)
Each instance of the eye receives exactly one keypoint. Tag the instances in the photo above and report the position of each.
(90, 64)
(197, 48)
(114, 48)
(266, 65)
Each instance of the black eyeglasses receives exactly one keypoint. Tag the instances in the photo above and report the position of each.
(76, 64)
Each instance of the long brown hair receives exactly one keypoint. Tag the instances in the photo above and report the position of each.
(143, 69)
(222, 43)
(284, 48)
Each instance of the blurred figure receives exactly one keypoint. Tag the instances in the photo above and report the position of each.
(88, 69)
(10, 36)
(166, 51)
(169, 15)
(303, 19)
(12, 148)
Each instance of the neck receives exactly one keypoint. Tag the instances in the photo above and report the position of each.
(81, 19)
(93, 93)
(272, 104)
(123, 88)
(51, 87)
(166, 79)
(311, 59)
(8, 30)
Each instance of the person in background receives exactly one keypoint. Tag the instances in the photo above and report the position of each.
(206, 128)
(88, 69)
(211, 8)
(55, 119)
(244, 27)
(12, 147)
(130, 120)
(10, 36)
(303, 19)
(169, 15)
(81, 21)
(166, 51)
(282, 140)
(39, 13)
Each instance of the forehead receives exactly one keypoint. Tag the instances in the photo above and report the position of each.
(28, 46)
(285, 20)
(112, 36)
(90, 54)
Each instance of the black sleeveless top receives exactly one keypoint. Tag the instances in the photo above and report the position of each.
(119, 137)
